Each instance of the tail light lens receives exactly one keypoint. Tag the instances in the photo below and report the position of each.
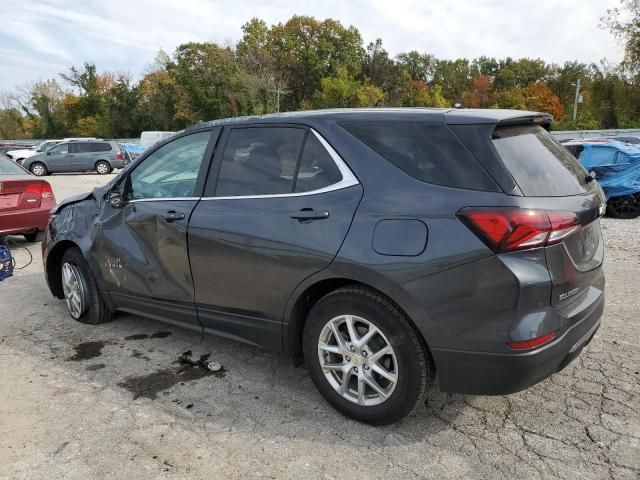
(119, 155)
(510, 229)
(43, 190)
(46, 192)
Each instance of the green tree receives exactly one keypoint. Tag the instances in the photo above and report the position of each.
(343, 91)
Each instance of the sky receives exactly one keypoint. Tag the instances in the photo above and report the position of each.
(41, 38)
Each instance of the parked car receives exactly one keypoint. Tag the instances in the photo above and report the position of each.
(19, 155)
(617, 168)
(25, 201)
(77, 156)
(131, 151)
(385, 247)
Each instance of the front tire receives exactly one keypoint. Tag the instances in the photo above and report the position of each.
(103, 168)
(84, 302)
(38, 169)
(365, 357)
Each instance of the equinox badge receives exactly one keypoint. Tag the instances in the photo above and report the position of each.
(570, 293)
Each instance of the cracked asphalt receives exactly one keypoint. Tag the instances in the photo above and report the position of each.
(131, 399)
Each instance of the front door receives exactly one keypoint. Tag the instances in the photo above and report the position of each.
(281, 208)
(142, 249)
(58, 158)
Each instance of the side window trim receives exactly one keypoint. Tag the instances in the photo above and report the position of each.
(348, 178)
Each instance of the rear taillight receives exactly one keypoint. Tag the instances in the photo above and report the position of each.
(46, 192)
(119, 155)
(42, 190)
(509, 229)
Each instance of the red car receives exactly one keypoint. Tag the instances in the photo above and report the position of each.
(25, 201)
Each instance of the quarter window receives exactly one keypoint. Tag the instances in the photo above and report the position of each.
(430, 153)
(260, 161)
(317, 168)
(171, 171)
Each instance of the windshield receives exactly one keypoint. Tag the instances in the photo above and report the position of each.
(8, 167)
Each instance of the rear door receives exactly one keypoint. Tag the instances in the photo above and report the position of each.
(142, 249)
(81, 156)
(550, 178)
(277, 212)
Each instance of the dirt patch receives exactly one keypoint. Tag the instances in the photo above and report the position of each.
(189, 370)
(160, 335)
(95, 367)
(140, 355)
(137, 336)
(87, 350)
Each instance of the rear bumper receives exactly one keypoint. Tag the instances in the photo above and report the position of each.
(480, 373)
(24, 221)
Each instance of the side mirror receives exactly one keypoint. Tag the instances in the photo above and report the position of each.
(49, 153)
(115, 199)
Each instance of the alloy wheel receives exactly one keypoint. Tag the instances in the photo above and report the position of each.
(74, 290)
(37, 170)
(357, 360)
(102, 168)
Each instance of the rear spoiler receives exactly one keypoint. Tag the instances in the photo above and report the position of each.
(544, 120)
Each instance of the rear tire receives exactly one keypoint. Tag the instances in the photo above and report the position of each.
(38, 169)
(34, 236)
(379, 390)
(77, 279)
(103, 168)
(626, 206)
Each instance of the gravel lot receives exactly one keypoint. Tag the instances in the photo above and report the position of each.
(115, 401)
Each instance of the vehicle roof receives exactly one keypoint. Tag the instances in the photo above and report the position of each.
(432, 115)
(623, 147)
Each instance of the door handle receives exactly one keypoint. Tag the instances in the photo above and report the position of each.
(307, 215)
(172, 216)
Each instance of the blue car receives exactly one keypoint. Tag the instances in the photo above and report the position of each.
(617, 167)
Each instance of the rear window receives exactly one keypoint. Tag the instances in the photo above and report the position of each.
(540, 165)
(8, 167)
(430, 153)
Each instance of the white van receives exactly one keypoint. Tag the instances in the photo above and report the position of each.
(152, 137)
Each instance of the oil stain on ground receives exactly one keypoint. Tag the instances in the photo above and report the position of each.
(148, 386)
(95, 367)
(87, 350)
(138, 336)
(160, 335)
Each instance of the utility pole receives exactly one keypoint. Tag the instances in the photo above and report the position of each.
(575, 102)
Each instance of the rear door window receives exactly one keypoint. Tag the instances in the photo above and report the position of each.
(430, 153)
(100, 147)
(540, 165)
(260, 161)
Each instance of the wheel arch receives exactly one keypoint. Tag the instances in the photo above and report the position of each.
(299, 309)
(54, 266)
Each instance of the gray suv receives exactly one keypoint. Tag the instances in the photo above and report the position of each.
(385, 248)
(77, 156)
